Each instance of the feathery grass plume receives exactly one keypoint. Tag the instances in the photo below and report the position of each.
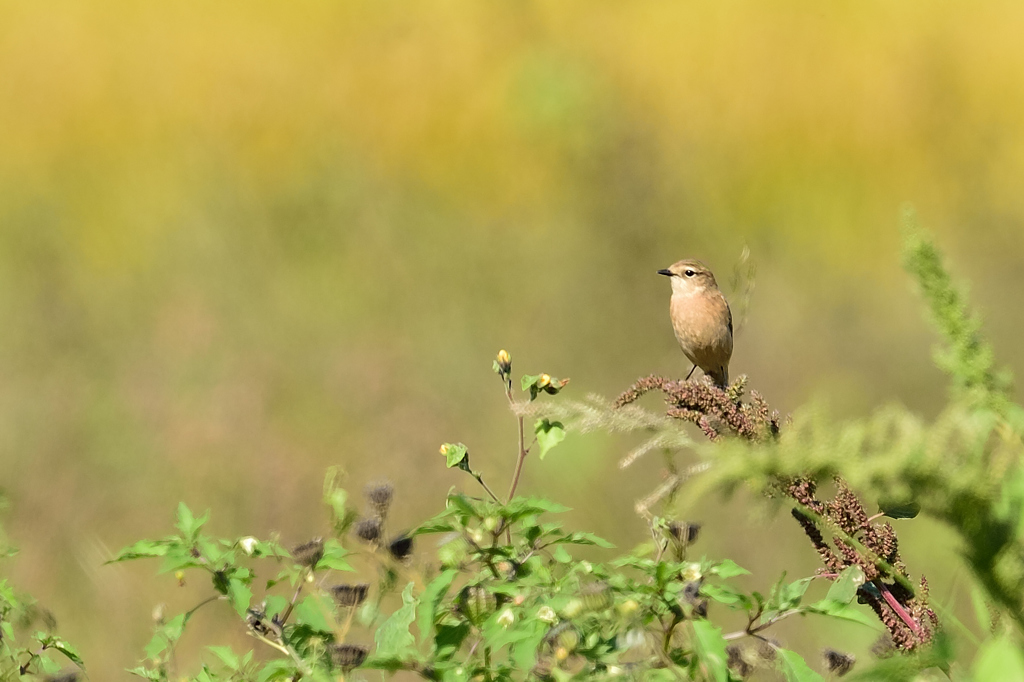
(966, 356)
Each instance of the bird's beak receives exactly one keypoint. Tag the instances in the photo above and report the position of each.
(665, 271)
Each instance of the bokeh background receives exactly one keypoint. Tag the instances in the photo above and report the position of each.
(243, 242)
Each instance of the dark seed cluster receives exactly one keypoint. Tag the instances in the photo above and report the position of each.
(309, 553)
(349, 595)
(348, 656)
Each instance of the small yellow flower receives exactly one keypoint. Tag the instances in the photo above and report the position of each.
(691, 572)
(444, 449)
(504, 361)
(544, 380)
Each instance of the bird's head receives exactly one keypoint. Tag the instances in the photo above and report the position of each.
(689, 277)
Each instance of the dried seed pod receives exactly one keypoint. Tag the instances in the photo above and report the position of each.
(368, 530)
(379, 497)
(400, 547)
(309, 553)
(837, 662)
(684, 532)
(476, 604)
(737, 660)
(348, 656)
(349, 595)
(691, 591)
(596, 596)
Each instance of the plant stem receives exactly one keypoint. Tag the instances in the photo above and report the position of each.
(522, 458)
(897, 607)
(480, 480)
(295, 597)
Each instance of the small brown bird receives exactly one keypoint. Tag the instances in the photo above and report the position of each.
(701, 319)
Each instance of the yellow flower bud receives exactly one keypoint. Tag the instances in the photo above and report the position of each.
(504, 361)
(544, 380)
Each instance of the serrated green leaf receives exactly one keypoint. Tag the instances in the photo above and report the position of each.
(334, 557)
(431, 598)
(844, 588)
(311, 611)
(146, 549)
(456, 456)
(529, 380)
(827, 607)
(711, 650)
(549, 434)
(226, 655)
(278, 669)
(582, 538)
(393, 637)
(240, 595)
(728, 569)
(725, 595)
(795, 668)
(69, 651)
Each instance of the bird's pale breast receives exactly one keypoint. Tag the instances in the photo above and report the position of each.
(702, 325)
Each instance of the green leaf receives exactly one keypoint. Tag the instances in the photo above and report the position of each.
(844, 588)
(393, 637)
(728, 569)
(899, 509)
(795, 668)
(310, 611)
(711, 649)
(982, 611)
(278, 669)
(456, 455)
(582, 538)
(69, 650)
(226, 655)
(529, 380)
(240, 595)
(549, 434)
(188, 524)
(334, 557)
(145, 549)
(431, 598)
(999, 659)
(827, 607)
(725, 595)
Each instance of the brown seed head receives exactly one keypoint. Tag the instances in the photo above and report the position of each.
(309, 553)
(348, 656)
(349, 595)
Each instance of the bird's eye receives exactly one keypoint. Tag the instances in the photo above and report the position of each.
(690, 273)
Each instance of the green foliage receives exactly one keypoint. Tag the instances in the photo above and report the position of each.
(26, 651)
(512, 594)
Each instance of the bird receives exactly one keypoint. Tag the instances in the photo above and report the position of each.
(701, 319)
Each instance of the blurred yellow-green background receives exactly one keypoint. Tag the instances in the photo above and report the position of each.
(243, 242)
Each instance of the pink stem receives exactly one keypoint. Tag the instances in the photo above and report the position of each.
(898, 608)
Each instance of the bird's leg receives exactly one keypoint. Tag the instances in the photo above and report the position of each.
(692, 370)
